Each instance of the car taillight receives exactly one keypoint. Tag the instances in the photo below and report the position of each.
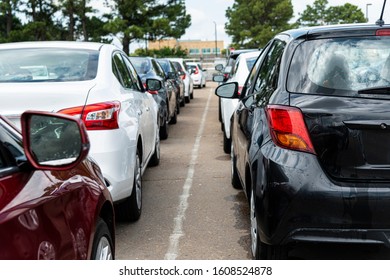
(239, 90)
(99, 116)
(196, 71)
(183, 77)
(288, 128)
(383, 32)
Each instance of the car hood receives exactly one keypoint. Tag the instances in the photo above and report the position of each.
(51, 97)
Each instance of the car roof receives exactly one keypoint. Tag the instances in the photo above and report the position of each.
(54, 44)
(332, 31)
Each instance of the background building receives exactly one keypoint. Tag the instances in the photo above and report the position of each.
(197, 49)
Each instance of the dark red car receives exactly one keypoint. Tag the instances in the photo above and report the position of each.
(53, 200)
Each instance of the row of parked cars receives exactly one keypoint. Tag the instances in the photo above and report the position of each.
(80, 122)
(309, 137)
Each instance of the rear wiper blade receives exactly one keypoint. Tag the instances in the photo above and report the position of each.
(375, 90)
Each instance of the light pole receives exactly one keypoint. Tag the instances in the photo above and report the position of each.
(216, 49)
(369, 4)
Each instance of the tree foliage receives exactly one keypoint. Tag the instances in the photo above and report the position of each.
(320, 14)
(129, 20)
(253, 23)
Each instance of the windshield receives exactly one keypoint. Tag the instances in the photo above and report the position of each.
(340, 66)
(47, 64)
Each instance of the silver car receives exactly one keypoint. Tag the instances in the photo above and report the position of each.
(97, 83)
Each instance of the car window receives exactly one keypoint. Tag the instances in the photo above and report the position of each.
(122, 72)
(141, 64)
(11, 148)
(157, 67)
(47, 64)
(340, 66)
(133, 75)
(267, 79)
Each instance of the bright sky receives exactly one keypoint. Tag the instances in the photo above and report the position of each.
(205, 12)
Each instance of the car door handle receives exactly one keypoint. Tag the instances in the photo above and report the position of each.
(147, 109)
(139, 112)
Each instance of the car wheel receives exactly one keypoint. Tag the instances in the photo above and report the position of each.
(155, 159)
(235, 179)
(102, 248)
(164, 130)
(227, 143)
(178, 108)
(130, 209)
(187, 99)
(174, 118)
(192, 95)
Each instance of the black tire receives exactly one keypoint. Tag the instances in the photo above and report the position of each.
(178, 108)
(164, 130)
(187, 99)
(155, 159)
(174, 118)
(130, 209)
(192, 95)
(236, 183)
(261, 250)
(102, 246)
(227, 143)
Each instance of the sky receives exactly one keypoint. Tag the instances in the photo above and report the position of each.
(208, 15)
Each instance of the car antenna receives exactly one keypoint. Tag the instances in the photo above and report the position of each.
(380, 21)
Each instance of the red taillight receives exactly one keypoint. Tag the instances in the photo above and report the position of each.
(99, 116)
(383, 32)
(183, 77)
(239, 90)
(196, 70)
(288, 128)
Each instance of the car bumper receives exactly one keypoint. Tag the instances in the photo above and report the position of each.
(296, 201)
(115, 152)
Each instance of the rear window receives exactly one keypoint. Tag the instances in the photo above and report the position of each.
(142, 65)
(47, 64)
(340, 66)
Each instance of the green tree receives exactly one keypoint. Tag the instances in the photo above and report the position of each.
(147, 19)
(253, 23)
(321, 14)
(42, 25)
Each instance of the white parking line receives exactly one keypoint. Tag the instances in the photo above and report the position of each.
(183, 204)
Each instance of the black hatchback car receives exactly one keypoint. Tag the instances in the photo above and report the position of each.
(311, 138)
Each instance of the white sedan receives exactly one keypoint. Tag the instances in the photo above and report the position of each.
(240, 72)
(97, 83)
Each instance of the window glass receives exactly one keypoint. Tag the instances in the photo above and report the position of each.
(157, 68)
(47, 64)
(133, 75)
(11, 148)
(340, 66)
(121, 71)
(267, 79)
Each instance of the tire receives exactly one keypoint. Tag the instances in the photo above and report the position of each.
(260, 250)
(227, 143)
(130, 209)
(178, 108)
(187, 99)
(102, 246)
(192, 95)
(235, 179)
(174, 118)
(164, 130)
(155, 159)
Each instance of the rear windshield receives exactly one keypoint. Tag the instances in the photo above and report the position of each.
(47, 64)
(142, 65)
(340, 66)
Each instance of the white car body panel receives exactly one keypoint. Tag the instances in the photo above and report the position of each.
(188, 81)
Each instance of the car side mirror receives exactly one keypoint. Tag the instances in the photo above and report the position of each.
(54, 141)
(219, 67)
(153, 85)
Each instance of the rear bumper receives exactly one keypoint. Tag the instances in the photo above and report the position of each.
(296, 201)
